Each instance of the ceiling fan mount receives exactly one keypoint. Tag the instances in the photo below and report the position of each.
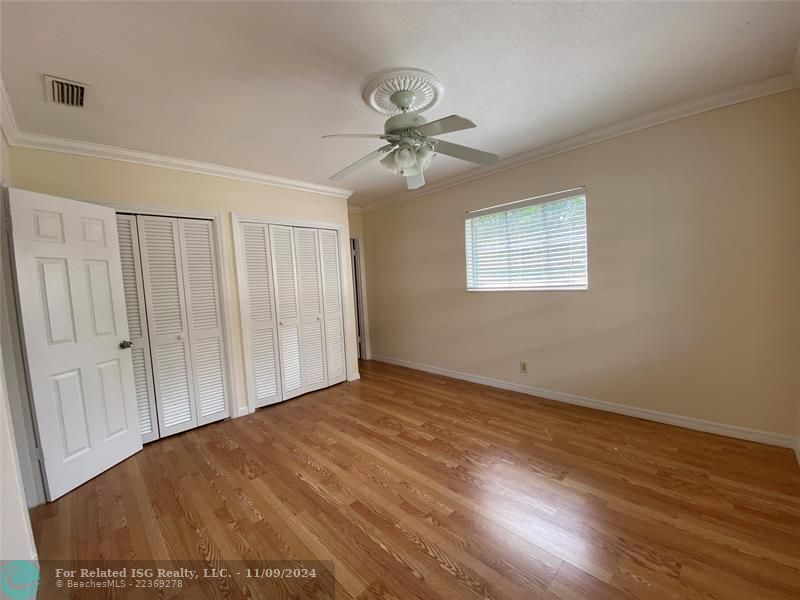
(411, 141)
(406, 90)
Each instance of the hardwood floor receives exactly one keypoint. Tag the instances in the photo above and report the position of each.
(419, 486)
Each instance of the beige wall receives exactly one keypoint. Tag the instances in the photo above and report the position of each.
(98, 180)
(693, 273)
(356, 225)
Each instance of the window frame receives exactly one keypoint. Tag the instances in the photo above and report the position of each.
(523, 203)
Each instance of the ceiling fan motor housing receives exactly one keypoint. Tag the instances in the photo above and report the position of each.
(403, 123)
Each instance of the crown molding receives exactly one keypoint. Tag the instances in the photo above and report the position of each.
(356, 210)
(8, 125)
(17, 137)
(67, 146)
(766, 87)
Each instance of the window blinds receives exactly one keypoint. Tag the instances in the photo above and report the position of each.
(534, 244)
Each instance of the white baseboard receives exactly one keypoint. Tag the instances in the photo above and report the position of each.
(743, 433)
(353, 376)
(797, 450)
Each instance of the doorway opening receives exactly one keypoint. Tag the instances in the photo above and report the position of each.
(358, 296)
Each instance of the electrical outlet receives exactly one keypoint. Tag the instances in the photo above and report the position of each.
(523, 366)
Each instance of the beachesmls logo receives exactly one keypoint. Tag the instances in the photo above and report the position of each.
(20, 579)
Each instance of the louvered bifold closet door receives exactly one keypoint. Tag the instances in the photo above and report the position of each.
(204, 317)
(312, 334)
(286, 304)
(260, 327)
(137, 326)
(166, 311)
(332, 294)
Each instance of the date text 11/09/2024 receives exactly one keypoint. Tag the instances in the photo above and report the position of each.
(183, 573)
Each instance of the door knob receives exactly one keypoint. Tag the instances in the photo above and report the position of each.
(319, 318)
(125, 344)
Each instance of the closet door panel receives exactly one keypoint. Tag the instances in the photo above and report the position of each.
(290, 361)
(332, 306)
(137, 326)
(312, 356)
(131, 275)
(145, 393)
(260, 326)
(312, 341)
(174, 398)
(165, 299)
(209, 367)
(204, 319)
(286, 303)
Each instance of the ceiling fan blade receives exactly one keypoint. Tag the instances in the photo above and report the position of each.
(415, 181)
(361, 162)
(479, 157)
(445, 125)
(355, 135)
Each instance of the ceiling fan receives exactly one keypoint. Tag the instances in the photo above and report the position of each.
(411, 141)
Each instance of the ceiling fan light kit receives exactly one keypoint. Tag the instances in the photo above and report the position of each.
(411, 138)
(405, 157)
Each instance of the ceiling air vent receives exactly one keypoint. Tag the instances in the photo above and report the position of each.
(64, 91)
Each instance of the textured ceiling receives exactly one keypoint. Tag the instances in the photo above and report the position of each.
(255, 85)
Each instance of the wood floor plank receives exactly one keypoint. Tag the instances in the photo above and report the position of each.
(420, 487)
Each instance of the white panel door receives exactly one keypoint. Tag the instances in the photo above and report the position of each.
(165, 298)
(313, 364)
(137, 326)
(259, 322)
(332, 305)
(287, 309)
(72, 307)
(204, 315)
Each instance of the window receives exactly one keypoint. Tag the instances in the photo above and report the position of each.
(534, 244)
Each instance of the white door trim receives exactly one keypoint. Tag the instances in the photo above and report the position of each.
(216, 216)
(15, 506)
(237, 218)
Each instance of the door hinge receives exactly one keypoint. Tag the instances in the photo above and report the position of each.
(38, 454)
